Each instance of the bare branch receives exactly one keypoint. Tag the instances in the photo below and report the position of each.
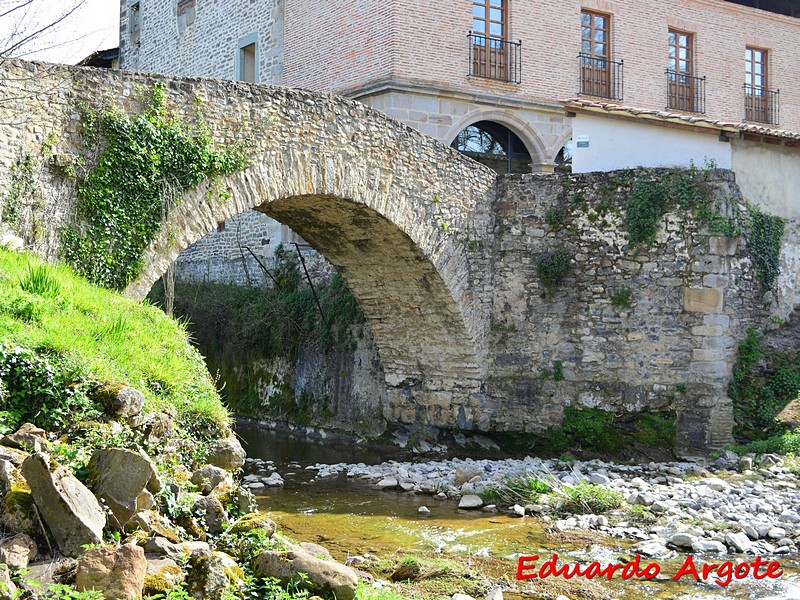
(22, 24)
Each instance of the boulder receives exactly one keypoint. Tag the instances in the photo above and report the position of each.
(211, 513)
(15, 508)
(150, 522)
(470, 501)
(119, 401)
(68, 507)
(158, 428)
(117, 572)
(160, 546)
(209, 477)
(252, 521)
(18, 551)
(324, 577)
(209, 575)
(161, 576)
(316, 550)
(8, 591)
(465, 474)
(738, 541)
(124, 481)
(29, 437)
(227, 454)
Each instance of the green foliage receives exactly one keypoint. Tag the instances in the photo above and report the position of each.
(235, 326)
(656, 429)
(585, 497)
(622, 297)
(686, 189)
(555, 216)
(558, 371)
(83, 335)
(145, 162)
(600, 431)
(764, 244)
(515, 490)
(647, 203)
(762, 386)
(23, 187)
(783, 443)
(40, 281)
(46, 390)
(552, 266)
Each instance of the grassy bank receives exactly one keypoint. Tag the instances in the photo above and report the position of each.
(60, 337)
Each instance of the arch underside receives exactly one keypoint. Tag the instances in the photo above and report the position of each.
(425, 350)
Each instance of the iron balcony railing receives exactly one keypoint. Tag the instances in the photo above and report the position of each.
(685, 92)
(495, 58)
(600, 77)
(761, 105)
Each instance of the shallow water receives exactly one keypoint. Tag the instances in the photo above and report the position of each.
(352, 518)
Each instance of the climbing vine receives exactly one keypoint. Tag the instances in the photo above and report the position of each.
(764, 244)
(145, 163)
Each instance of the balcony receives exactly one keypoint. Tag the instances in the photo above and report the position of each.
(685, 92)
(495, 58)
(600, 77)
(761, 105)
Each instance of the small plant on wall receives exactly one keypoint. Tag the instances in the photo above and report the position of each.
(552, 266)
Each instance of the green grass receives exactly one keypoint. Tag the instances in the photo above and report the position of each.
(514, 490)
(586, 497)
(63, 319)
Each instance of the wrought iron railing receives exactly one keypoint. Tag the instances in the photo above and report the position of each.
(761, 104)
(685, 92)
(495, 58)
(600, 77)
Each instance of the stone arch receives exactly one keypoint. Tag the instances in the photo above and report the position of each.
(529, 136)
(563, 139)
(394, 211)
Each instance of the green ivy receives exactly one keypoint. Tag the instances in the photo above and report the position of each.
(762, 385)
(23, 186)
(58, 386)
(764, 244)
(145, 161)
(552, 266)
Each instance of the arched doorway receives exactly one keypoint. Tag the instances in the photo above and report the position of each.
(495, 146)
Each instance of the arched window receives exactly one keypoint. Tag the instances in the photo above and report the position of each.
(564, 158)
(494, 145)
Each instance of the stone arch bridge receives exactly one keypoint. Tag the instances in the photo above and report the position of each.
(440, 254)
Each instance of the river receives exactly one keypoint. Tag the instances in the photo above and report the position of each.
(353, 519)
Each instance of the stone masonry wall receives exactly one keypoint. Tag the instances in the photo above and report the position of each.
(693, 296)
(204, 39)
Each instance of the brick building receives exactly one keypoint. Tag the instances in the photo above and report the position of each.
(522, 85)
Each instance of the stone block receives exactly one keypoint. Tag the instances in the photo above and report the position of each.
(703, 300)
(708, 355)
(722, 246)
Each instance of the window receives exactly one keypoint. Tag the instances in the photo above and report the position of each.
(247, 59)
(595, 54)
(491, 54)
(186, 13)
(135, 22)
(684, 90)
(489, 18)
(495, 146)
(760, 103)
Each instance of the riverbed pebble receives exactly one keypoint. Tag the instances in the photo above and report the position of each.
(747, 506)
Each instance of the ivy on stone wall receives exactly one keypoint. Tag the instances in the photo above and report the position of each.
(764, 244)
(145, 163)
